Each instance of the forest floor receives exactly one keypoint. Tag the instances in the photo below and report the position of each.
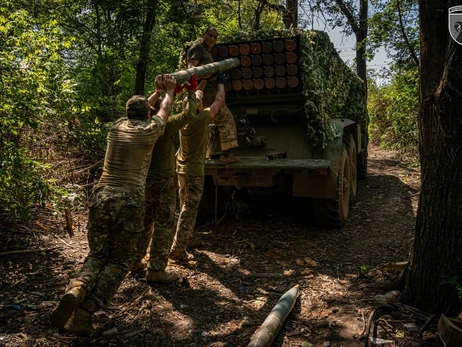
(243, 265)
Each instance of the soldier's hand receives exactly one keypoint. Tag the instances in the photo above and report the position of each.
(158, 82)
(220, 78)
(169, 82)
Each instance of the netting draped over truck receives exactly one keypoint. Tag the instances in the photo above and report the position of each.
(329, 87)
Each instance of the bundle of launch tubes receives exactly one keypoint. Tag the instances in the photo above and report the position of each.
(265, 65)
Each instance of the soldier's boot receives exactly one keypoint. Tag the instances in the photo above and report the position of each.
(181, 256)
(139, 266)
(80, 323)
(161, 276)
(67, 305)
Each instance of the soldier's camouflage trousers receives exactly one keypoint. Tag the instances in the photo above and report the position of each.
(190, 190)
(159, 222)
(225, 122)
(114, 224)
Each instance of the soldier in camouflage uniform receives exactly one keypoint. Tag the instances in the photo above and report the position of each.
(199, 54)
(116, 213)
(160, 195)
(190, 166)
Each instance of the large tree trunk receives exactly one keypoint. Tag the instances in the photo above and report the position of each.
(437, 252)
(144, 47)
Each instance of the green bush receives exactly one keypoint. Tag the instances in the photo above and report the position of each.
(23, 182)
(393, 111)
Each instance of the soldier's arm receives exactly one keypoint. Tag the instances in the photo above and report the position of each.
(178, 121)
(202, 85)
(192, 63)
(220, 97)
(166, 104)
(194, 56)
(159, 88)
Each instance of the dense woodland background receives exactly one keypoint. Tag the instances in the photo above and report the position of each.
(67, 68)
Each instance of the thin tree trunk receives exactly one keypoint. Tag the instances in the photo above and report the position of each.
(258, 11)
(360, 27)
(403, 32)
(361, 39)
(292, 14)
(437, 255)
(142, 63)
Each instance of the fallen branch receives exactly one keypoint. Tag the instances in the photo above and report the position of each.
(61, 240)
(373, 317)
(395, 266)
(88, 168)
(268, 331)
(24, 251)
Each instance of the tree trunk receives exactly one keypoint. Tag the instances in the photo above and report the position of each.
(258, 11)
(437, 252)
(144, 47)
(291, 19)
(359, 27)
(361, 37)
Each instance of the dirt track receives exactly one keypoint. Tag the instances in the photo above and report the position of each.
(243, 267)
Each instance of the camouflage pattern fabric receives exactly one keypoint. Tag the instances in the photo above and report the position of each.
(225, 122)
(114, 224)
(190, 191)
(159, 222)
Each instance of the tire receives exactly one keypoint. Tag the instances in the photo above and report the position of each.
(334, 212)
(350, 145)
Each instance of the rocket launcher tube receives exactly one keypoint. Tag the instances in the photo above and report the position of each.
(205, 70)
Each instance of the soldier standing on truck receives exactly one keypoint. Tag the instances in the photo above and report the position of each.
(116, 213)
(190, 168)
(160, 196)
(199, 54)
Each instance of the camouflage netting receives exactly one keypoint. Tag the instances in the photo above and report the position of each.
(330, 87)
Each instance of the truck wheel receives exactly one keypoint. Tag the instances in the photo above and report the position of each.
(353, 156)
(334, 212)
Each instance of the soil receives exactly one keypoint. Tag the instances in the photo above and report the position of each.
(245, 261)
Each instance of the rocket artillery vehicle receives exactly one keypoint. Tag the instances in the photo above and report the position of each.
(302, 122)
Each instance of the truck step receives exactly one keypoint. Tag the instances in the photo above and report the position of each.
(284, 164)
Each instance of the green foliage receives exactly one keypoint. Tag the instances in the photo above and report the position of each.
(393, 111)
(229, 16)
(30, 83)
(386, 30)
(23, 182)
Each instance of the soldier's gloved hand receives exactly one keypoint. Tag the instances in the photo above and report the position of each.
(220, 78)
(192, 83)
